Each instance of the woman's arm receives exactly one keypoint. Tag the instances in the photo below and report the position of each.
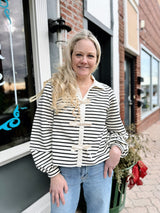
(41, 135)
(117, 134)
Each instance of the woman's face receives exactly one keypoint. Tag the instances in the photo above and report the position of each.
(84, 58)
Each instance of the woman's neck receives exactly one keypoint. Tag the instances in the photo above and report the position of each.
(85, 84)
(85, 81)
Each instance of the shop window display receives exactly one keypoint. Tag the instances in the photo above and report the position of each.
(16, 74)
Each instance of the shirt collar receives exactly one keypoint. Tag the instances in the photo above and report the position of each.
(97, 83)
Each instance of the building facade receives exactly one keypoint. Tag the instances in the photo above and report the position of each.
(30, 53)
(139, 62)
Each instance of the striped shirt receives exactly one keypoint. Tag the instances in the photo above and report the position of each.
(61, 140)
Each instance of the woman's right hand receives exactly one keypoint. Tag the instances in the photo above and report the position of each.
(58, 186)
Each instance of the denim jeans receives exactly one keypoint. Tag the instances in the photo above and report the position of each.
(97, 190)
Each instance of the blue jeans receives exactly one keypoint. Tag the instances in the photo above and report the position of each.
(97, 190)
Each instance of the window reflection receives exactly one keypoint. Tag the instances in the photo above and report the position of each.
(16, 61)
(155, 83)
(145, 73)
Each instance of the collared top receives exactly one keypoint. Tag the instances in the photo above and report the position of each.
(64, 140)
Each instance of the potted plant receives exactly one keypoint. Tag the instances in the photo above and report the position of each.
(130, 169)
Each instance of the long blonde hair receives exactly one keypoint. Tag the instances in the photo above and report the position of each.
(64, 81)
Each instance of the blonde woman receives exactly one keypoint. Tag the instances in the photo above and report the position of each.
(77, 135)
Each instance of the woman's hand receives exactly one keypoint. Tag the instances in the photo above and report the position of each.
(111, 163)
(58, 186)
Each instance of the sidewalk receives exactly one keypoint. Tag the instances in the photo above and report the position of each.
(146, 198)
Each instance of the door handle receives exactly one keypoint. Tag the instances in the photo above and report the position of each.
(130, 101)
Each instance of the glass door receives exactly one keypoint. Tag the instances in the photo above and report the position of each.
(129, 91)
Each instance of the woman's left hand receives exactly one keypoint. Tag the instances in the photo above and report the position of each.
(112, 162)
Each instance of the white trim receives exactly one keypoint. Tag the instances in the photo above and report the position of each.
(40, 206)
(14, 153)
(137, 2)
(40, 41)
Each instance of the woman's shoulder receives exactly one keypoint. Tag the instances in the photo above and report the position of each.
(105, 86)
(46, 91)
(108, 90)
(47, 85)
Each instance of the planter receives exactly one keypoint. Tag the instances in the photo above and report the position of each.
(118, 193)
(118, 196)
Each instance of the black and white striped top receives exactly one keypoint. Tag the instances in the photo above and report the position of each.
(61, 140)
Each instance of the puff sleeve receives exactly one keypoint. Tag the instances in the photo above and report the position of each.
(117, 134)
(41, 134)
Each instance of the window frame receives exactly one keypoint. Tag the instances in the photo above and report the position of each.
(41, 63)
(152, 109)
(157, 66)
(91, 17)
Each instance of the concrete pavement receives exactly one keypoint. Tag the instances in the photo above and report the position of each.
(146, 198)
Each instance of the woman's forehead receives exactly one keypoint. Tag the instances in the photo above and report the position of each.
(85, 44)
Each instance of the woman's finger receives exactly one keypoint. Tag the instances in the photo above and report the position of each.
(110, 172)
(62, 198)
(105, 170)
(53, 200)
(57, 199)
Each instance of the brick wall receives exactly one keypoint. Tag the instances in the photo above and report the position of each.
(72, 12)
(150, 35)
(121, 59)
(137, 97)
(148, 121)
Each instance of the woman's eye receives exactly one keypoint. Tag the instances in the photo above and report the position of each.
(91, 56)
(78, 54)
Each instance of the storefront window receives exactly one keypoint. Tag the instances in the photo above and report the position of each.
(150, 85)
(145, 73)
(16, 74)
(155, 83)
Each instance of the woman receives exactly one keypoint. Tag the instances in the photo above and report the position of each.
(77, 135)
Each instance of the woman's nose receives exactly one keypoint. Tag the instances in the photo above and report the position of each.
(84, 59)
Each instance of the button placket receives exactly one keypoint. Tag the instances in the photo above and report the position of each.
(81, 134)
(83, 102)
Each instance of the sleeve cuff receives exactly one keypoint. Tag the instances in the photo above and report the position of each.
(53, 172)
(124, 150)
